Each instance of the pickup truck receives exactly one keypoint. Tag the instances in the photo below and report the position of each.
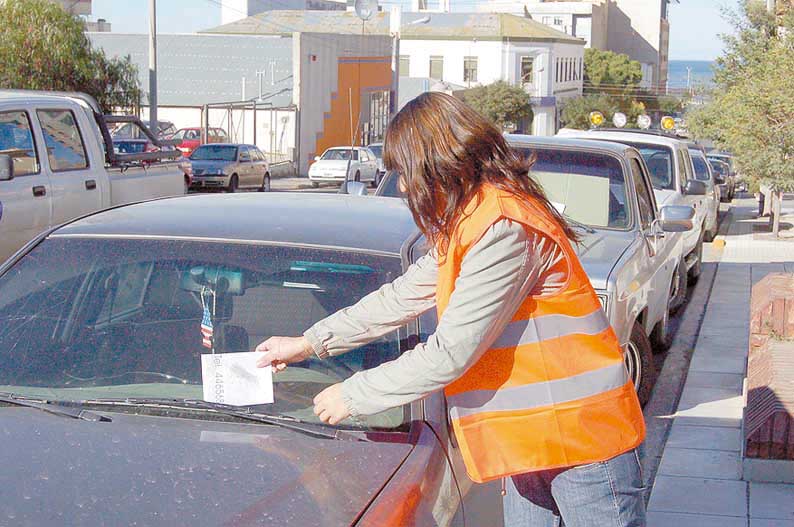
(605, 191)
(57, 163)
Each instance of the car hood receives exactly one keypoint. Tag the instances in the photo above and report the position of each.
(144, 470)
(334, 165)
(600, 251)
(210, 165)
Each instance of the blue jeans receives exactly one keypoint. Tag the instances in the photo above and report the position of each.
(605, 494)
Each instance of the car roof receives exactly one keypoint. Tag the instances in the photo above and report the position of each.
(224, 144)
(567, 142)
(628, 136)
(362, 223)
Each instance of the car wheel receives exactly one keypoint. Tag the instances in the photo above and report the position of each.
(662, 336)
(709, 236)
(639, 363)
(695, 270)
(357, 177)
(376, 180)
(234, 185)
(678, 287)
(315, 184)
(265, 184)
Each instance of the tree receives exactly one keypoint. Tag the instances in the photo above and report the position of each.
(501, 103)
(44, 48)
(610, 72)
(576, 111)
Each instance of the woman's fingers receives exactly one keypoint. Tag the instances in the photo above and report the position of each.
(283, 350)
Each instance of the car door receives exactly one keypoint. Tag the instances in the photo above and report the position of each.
(245, 167)
(24, 199)
(75, 189)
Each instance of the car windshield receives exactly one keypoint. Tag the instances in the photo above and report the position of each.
(659, 160)
(87, 319)
(338, 155)
(377, 150)
(701, 168)
(214, 153)
(589, 188)
(719, 167)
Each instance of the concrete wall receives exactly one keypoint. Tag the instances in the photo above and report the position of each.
(334, 75)
(488, 54)
(635, 28)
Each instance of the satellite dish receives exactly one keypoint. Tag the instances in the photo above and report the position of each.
(365, 8)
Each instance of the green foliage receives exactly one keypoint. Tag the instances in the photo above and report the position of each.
(500, 102)
(576, 111)
(610, 72)
(44, 48)
(752, 108)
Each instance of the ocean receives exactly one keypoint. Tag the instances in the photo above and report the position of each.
(701, 73)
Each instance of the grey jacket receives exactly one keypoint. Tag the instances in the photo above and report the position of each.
(498, 272)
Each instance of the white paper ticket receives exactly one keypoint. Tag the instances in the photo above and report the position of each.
(233, 378)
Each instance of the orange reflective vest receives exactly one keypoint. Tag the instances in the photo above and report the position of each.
(553, 390)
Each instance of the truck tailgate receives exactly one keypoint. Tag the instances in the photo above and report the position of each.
(141, 183)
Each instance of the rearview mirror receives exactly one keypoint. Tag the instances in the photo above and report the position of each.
(676, 218)
(695, 188)
(354, 188)
(6, 168)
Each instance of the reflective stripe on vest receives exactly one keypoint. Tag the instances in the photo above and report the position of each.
(550, 326)
(539, 394)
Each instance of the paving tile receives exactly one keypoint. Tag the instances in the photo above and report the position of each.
(704, 362)
(707, 379)
(666, 519)
(694, 463)
(756, 522)
(705, 438)
(695, 395)
(700, 420)
(716, 497)
(772, 500)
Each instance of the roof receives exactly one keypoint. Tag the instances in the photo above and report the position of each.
(196, 69)
(567, 142)
(330, 220)
(447, 26)
(625, 136)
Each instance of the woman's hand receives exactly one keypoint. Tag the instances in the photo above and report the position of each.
(280, 351)
(330, 406)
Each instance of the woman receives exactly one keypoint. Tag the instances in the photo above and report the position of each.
(532, 371)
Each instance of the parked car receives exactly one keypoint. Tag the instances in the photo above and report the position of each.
(336, 163)
(57, 163)
(604, 190)
(191, 138)
(129, 131)
(703, 172)
(377, 149)
(229, 167)
(722, 172)
(102, 322)
(674, 183)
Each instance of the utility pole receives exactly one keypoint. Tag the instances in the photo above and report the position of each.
(771, 7)
(689, 80)
(395, 20)
(153, 125)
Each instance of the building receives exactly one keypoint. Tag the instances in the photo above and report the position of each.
(460, 49)
(234, 10)
(75, 7)
(289, 93)
(637, 28)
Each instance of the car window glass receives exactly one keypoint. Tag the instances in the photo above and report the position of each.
(337, 154)
(16, 141)
(659, 160)
(179, 135)
(684, 167)
(214, 153)
(244, 154)
(377, 150)
(586, 187)
(390, 186)
(90, 318)
(65, 148)
(701, 168)
(644, 198)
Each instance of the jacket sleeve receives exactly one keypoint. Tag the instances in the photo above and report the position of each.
(381, 312)
(496, 275)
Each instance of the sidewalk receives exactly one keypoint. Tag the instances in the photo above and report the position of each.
(698, 482)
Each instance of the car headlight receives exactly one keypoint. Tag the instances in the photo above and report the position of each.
(604, 299)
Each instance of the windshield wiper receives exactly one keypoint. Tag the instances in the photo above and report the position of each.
(579, 224)
(56, 409)
(283, 421)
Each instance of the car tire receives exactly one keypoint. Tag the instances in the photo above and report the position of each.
(709, 236)
(639, 363)
(234, 185)
(376, 180)
(265, 183)
(678, 292)
(357, 177)
(662, 335)
(695, 270)
(315, 184)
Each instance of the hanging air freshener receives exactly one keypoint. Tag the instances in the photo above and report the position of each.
(206, 321)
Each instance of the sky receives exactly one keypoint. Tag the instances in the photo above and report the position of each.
(694, 24)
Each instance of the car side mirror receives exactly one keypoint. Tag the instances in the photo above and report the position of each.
(677, 218)
(6, 168)
(695, 188)
(316, 158)
(353, 188)
(719, 180)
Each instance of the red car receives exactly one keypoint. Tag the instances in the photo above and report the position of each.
(191, 138)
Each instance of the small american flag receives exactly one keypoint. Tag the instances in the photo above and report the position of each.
(206, 329)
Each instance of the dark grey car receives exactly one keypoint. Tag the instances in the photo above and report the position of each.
(100, 327)
(230, 167)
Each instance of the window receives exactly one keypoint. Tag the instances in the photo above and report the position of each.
(469, 69)
(643, 195)
(405, 65)
(527, 70)
(364, 156)
(65, 148)
(16, 141)
(547, 20)
(701, 168)
(558, 21)
(659, 160)
(557, 67)
(244, 154)
(437, 67)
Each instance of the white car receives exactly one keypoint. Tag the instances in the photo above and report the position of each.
(336, 163)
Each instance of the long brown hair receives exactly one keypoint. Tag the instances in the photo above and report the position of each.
(444, 152)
